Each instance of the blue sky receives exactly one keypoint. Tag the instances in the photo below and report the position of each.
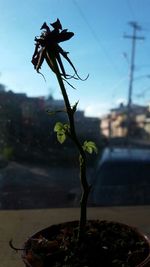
(97, 48)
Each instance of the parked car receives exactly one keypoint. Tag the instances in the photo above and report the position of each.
(122, 177)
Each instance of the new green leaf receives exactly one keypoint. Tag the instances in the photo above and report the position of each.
(90, 147)
(62, 130)
(58, 127)
(61, 137)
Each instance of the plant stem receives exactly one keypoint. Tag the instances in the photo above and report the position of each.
(82, 156)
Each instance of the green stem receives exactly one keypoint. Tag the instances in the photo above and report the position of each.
(84, 184)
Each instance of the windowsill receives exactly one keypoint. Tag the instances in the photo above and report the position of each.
(20, 224)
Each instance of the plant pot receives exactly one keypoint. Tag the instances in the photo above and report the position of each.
(105, 243)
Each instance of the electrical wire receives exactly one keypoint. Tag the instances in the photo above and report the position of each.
(95, 36)
(131, 10)
(134, 16)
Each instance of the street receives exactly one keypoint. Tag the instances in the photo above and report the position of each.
(32, 187)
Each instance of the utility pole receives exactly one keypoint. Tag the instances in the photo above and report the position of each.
(133, 38)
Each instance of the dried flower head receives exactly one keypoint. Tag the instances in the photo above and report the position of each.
(47, 48)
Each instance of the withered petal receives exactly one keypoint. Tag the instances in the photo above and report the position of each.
(56, 25)
(45, 26)
(64, 36)
(49, 61)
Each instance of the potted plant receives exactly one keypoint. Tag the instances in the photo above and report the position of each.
(84, 243)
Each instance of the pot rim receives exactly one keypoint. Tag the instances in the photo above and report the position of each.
(147, 259)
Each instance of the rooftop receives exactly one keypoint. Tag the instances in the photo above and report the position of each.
(116, 153)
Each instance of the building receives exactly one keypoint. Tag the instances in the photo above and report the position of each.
(116, 123)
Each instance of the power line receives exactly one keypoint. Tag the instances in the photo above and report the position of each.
(94, 34)
(131, 9)
(134, 15)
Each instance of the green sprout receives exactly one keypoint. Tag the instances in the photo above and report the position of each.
(47, 49)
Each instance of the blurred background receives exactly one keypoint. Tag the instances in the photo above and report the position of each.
(111, 44)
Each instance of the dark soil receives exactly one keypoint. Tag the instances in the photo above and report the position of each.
(103, 244)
